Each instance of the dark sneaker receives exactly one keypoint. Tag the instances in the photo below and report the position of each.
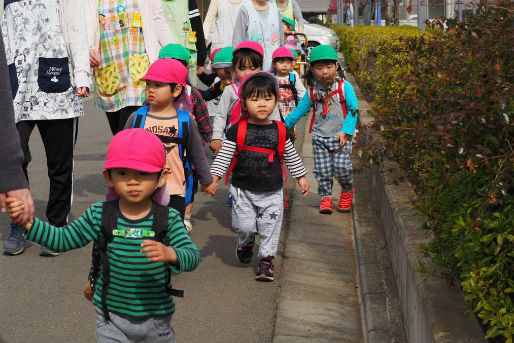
(244, 253)
(15, 243)
(44, 251)
(265, 271)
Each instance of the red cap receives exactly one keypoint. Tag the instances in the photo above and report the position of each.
(167, 70)
(136, 149)
(282, 52)
(250, 44)
(213, 53)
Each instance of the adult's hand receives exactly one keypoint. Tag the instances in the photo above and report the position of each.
(25, 196)
(94, 58)
(82, 92)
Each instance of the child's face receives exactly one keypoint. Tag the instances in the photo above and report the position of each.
(286, 27)
(325, 72)
(159, 94)
(133, 186)
(282, 66)
(244, 68)
(260, 107)
(225, 75)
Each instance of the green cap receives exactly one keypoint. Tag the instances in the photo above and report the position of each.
(223, 58)
(295, 54)
(289, 21)
(175, 51)
(323, 52)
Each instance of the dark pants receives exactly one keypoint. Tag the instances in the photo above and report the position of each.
(118, 119)
(59, 137)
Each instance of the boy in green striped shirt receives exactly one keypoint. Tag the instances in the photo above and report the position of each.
(137, 304)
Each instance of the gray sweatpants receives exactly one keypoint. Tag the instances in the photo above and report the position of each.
(258, 212)
(128, 330)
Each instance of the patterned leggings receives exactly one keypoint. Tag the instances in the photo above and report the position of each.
(332, 161)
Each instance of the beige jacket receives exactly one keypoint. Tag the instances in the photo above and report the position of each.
(156, 32)
(71, 16)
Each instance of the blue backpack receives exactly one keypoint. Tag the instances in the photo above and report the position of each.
(181, 141)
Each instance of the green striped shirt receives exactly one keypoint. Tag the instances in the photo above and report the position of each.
(137, 286)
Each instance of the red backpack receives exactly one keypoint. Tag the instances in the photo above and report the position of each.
(240, 141)
(342, 100)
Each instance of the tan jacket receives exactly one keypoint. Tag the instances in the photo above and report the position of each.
(155, 29)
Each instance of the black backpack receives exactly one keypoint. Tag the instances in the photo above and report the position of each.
(99, 254)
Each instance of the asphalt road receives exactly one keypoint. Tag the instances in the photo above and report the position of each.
(41, 298)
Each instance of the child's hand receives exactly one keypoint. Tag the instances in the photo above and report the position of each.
(199, 70)
(304, 185)
(158, 252)
(211, 188)
(82, 92)
(343, 138)
(216, 145)
(15, 209)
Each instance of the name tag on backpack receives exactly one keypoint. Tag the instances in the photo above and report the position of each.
(133, 233)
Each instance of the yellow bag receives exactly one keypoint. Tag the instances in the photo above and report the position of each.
(107, 79)
(138, 65)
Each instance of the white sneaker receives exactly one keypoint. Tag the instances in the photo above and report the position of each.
(188, 225)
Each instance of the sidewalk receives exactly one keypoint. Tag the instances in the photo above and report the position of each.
(318, 299)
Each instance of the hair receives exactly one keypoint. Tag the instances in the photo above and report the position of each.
(310, 79)
(173, 85)
(282, 59)
(289, 27)
(159, 173)
(247, 55)
(259, 86)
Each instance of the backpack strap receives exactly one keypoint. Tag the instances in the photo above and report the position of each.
(109, 223)
(140, 117)
(339, 91)
(282, 137)
(311, 98)
(160, 227)
(240, 142)
(183, 134)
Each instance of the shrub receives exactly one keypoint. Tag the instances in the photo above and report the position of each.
(444, 102)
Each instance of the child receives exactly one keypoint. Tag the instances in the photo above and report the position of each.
(259, 21)
(290, 88)
(289, 38)
(222, 66)
(332, 125)
(165, 83)
(144, 243)
(247, 59)
(257, 146)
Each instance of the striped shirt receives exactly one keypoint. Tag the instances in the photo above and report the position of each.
(253, 170)
(137, 286)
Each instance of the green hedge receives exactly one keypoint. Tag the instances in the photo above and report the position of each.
(444, 103)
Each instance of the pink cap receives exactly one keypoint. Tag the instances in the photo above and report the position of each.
(282, 52)
(250, 44)
(167, 70)
(213, 53)
(136, 149)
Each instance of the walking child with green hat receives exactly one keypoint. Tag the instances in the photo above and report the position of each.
(335, 110)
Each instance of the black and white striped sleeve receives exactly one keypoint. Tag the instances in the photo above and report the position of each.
(293, 161)
(196, 25)
(223, 158)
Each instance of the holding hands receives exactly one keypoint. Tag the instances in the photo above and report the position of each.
(17, 212)
(211, 188)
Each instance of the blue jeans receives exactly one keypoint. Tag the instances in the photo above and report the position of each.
(123, 329)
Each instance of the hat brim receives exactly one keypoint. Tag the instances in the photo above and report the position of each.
(222, 65)
(132, 164)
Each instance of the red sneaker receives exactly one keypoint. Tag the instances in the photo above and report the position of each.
(345, 202)
(326, 206)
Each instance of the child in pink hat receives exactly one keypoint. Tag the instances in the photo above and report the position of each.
(130, 228)
(290, 87)
(165, 92)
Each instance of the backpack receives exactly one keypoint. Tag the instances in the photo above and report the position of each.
(291, 86)
(181, 141)
(109, 230)
(240, 141)
(342, 101)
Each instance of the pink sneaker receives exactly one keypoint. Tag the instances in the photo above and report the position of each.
(345, 202)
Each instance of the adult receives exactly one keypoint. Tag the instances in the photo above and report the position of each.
(290, 9)
(12, 180)
(47, 57)
(219, 22)
(124, 39)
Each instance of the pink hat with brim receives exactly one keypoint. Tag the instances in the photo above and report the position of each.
(249, 44)
(282, 52)
(136, 149)
(167, 70)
